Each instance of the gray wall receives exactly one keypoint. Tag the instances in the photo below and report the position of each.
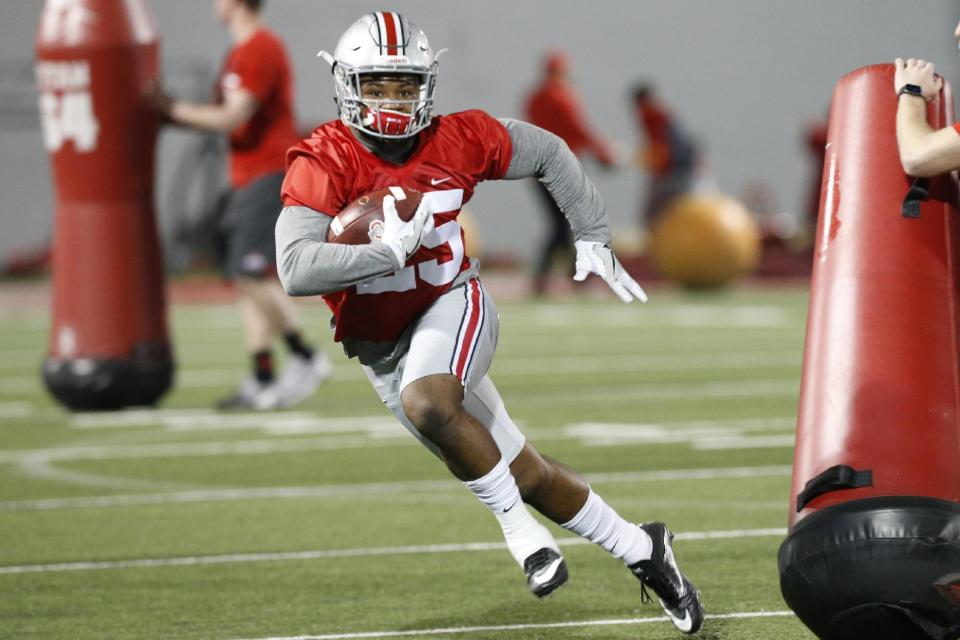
(744, 75)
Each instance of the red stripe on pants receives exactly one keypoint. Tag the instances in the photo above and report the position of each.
(470, 333)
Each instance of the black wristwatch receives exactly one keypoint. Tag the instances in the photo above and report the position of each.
(910, 89)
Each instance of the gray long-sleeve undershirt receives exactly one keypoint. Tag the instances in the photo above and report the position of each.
(308, 265)
(537, 153)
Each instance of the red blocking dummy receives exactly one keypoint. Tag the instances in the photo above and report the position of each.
(108, 341)
(874, 544)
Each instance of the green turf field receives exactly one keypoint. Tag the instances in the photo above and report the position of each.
(329, 521)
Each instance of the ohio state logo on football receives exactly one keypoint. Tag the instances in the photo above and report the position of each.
(375, 231)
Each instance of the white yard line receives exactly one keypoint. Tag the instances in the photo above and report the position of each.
(15, 359)
(372, 431)
(198, 449)
(363, 552)
(278, 422)
(44, 469)
(200, 378)
(17, 409)
(741, 442)
(566, 364)
(301, 422)
(141, 417)
(700, 434)
(570, 624)
(786, 387)
(636, 363)
(672, 315)
(691, 474)
(373, 488)
(20, 385)
(349, 433)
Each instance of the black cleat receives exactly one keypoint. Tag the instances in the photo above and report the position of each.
(680, 599)
(546, 572)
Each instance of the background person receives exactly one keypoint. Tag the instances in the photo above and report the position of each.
(555, 106)
(254, 106)
(670, 156)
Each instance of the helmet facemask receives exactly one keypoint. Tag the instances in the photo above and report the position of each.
(385, 44)
(389, 117)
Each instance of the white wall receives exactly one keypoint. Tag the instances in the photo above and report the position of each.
(744, 75)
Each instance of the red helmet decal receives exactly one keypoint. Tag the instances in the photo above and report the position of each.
(392, 41)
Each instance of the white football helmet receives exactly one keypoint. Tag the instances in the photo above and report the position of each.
(383, 43)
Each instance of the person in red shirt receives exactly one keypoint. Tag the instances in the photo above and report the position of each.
(670, 156)
(254, 106)
(410, 305)
(554, 106)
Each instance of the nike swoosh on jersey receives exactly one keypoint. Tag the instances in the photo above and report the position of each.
(546, 575)
(435, 182)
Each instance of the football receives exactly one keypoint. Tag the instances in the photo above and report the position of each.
(361, 221)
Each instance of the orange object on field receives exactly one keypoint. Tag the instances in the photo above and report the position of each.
(705, 240)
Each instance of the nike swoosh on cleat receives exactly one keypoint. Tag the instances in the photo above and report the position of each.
(546, 575)
(684, 624)
(435, 182)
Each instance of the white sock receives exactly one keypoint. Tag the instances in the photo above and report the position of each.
(524, 535)
(597, 522)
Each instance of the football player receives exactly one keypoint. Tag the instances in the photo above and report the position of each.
(411, 308)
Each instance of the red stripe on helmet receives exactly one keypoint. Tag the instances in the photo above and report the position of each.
(388, 21)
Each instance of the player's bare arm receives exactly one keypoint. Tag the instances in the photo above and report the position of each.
(923, 151)
(237, 108)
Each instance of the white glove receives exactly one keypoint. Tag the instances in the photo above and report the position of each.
(404, 238)
(593, 257)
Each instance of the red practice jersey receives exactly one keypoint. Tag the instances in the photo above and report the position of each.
(331, 169)
(258, 147)
(554, 106)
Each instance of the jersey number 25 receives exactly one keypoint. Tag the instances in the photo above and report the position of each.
(431, 271)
